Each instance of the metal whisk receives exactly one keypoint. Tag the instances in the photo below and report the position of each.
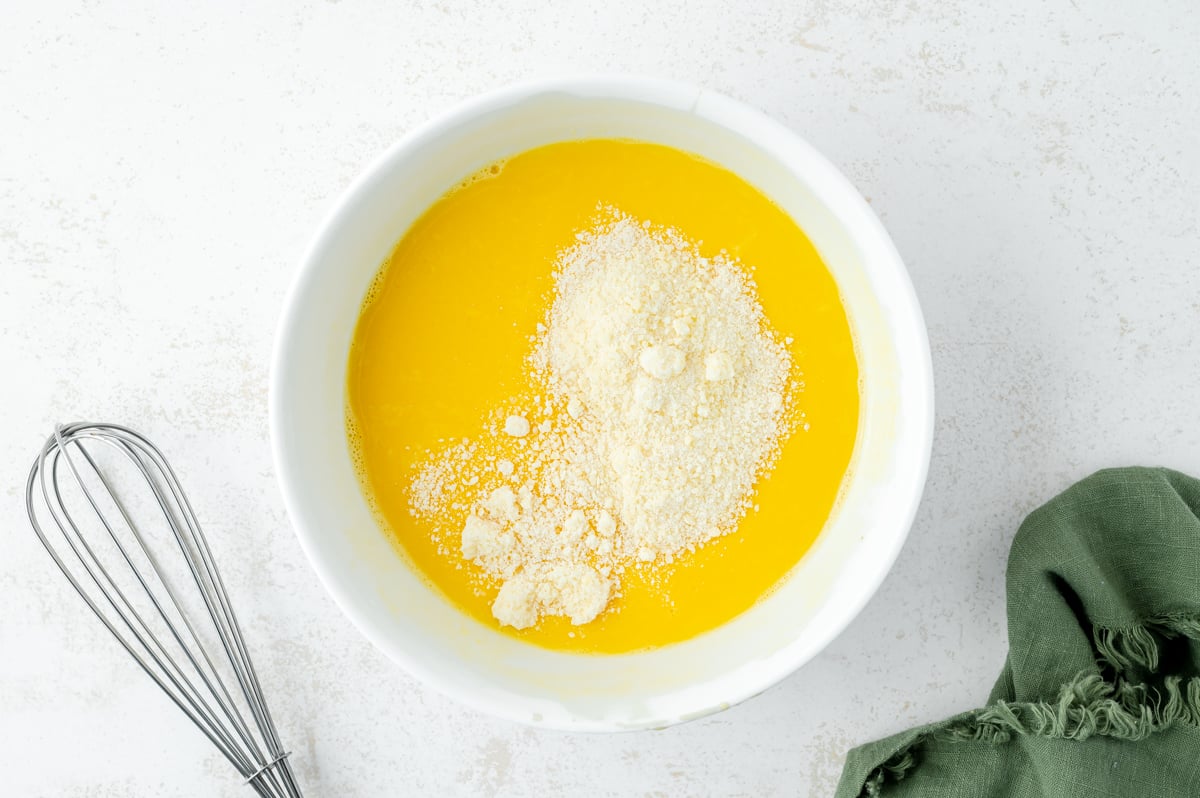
(112, 514)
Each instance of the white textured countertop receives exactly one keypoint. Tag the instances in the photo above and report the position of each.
(1038, 165)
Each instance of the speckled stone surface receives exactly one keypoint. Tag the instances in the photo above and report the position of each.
(161, 170)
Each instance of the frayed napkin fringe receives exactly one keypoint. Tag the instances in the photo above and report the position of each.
(1087, 706)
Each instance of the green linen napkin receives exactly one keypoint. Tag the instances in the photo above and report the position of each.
(1100, 694)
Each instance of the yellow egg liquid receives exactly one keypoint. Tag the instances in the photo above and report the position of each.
(443, 336)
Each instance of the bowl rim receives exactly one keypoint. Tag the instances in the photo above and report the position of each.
(739, 118)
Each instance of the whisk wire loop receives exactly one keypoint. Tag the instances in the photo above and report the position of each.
(123, 573)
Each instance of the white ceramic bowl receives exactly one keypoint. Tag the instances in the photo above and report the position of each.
(418, 628)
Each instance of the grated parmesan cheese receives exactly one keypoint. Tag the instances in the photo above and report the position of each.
(661, 395)
(517, 426)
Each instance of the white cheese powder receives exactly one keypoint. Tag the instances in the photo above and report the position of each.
(517, 426)
(662, 395)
